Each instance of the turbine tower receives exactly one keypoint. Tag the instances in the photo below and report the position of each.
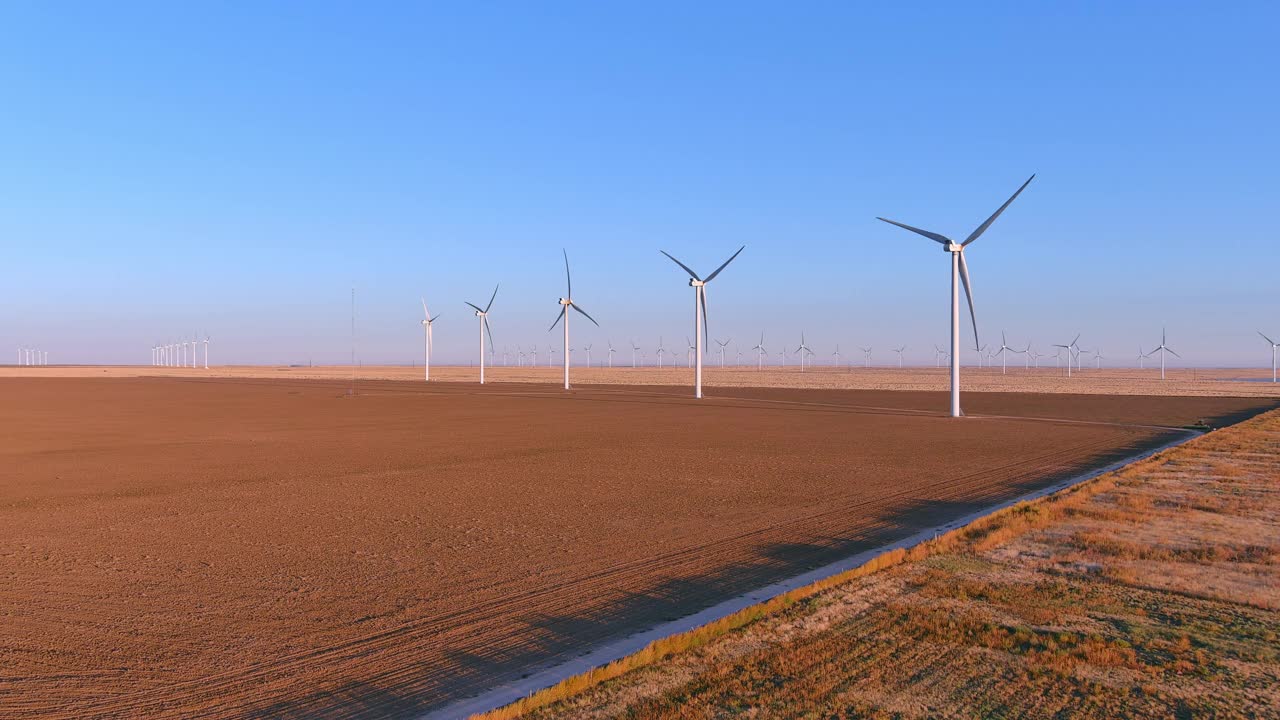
(567, 302)
(1274, 345)
(483, 315)
(427, 322)
(700, 311)
(960, 273)
(1163, 349)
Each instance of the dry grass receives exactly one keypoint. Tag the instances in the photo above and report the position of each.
(1147, 592)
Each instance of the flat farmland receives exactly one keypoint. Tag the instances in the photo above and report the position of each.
(176, 547)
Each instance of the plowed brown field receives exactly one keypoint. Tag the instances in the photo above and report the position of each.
(245, 548)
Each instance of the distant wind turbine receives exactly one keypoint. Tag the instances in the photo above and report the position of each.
(866, 356)
(1003, 353)
(1069, 347)
(1163, 348)
(699, 286)
(723, 345)
(567, 302)
(483, 315)
(960, 273)
(611, 352)
(760, 353)
(802, 351)
(900, 350)
(427, 321)
(1274, 345)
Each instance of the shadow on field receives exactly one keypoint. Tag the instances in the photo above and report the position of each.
(448, 674)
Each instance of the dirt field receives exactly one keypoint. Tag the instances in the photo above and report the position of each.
(242, 548)
(1218, 382)
(1152, 592)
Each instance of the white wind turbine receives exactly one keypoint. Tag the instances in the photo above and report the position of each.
(802, 351)
(1068, 347)
(760, 353)
(1142, 359)
(1003, 353)
(960, 273)
(1097, 359)
(739, 352)
(661, 351)
(689, 352)
(1274, 345)
(483, 316)
(587, 349)
(723, 345)
(700, 311)
(836, 354)
(427, 322)
(899, 350)
(866, 356)
(634, 349)
(567, 302)
(1163, 349)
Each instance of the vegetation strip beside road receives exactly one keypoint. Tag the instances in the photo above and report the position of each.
(1149, 590)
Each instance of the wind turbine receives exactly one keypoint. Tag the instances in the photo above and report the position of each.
(836, 354)
(611, 352)
(700, 311)
(634, 348)
(587, 349)
(866, 356)
(483, 315)
(1068, 347)
(739, 351)
(760, 353)
(802, 351)
(899, 351)
(427, 320)
(723, 345)
(567, 302)
(1142, 358)
(1163, 349)
(661, 351)
(1274, 345)
(960, 273)
(1002, 352)
(1097, 359)
(689, 352)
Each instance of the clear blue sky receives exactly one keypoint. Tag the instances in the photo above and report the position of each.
(235, 168)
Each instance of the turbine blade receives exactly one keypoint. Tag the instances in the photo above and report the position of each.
(584, 313)
(1264, 337)
(567, 279)
(425, 312)
(557, 320)
(713, 275)
(692, 274)
(488, 329)
(968, 294)
(491, 297)
(1174, 353)
(983, 227)
(702, 294)
(477, 307)
(931, 235)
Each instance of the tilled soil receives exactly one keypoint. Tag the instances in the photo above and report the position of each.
(248, 548)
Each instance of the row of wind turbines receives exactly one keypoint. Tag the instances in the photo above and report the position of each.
(179, 354)
(959, 277)
(30, 356)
